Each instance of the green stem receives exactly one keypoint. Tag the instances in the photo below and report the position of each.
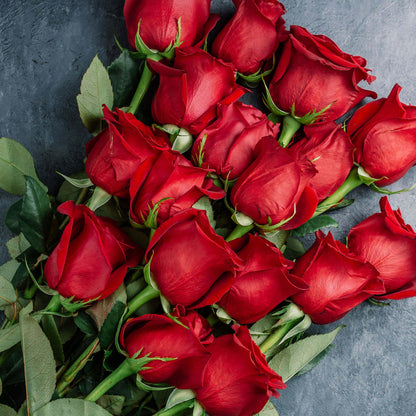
(352, 182)
(141, 298)
(123, 371)
(239, 231)
(289, 127)
(76, 367)
(144, 85)
(275, 337)
(175, 409)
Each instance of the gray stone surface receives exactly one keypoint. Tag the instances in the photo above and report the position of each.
(46, 46)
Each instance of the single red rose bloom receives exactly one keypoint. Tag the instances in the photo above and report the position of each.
(92, 257)
(331, 152)
(189, 91)
(191, 264)
(252, 35)
(172, 178)
(262, 283)
(313, 73)
(274, 188)
(384, 135)
(237, 379)
(114, 155)
(159, 21)
(385, 241)
(227, 145)
(338, 280)
(162, 337)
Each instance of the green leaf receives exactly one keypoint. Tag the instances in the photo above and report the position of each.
(12, 217)
(315, 361)
(314, 224)
(17, 245)
(39, 363)
(124, 74)
(78, 183)
(7, 292)
(85, 323)
(9, 337)
(109, 328)
(269, 410)
(294, 249)
(112, 403)
(96, 90)
(16, 163)
(51, 331)
(74, 407)
(292, 359)
(261, 329)
(36, 215)
(9, 269)
(278, 237)
(7, 411)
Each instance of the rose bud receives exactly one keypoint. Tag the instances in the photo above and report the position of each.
(331, 151)
(252, 35)
(114, 155)
(227, 145)
(191, 264)
(273, 191)
(262, 283)
(172, 179)
(162, 337)
(384, 135)
(237, 378)
(189, 92)
(385, 241)
(313, 75)
(159, 22)
(338, 280)
(92, 257)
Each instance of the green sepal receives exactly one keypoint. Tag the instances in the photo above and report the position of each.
(72, 306)
(269, 103)
(151, 220)
(98, 199)
(385, 191)
(78, 183)
(221, 314)
(141, 385)
(169, 52)
(365, 178)
(199, 160)
(378, 302)
(311, 117)
(253, 80)
(142, 49)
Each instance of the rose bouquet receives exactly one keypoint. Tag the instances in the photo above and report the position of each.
(168, 277)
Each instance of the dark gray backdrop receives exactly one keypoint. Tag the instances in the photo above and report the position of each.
(46, 46)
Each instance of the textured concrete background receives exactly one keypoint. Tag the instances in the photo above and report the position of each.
(47, 45)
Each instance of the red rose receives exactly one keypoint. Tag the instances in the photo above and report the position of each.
(172, 176)
(384, 135)
(274, 188)
(189, 92)
(159, 21)
(237, 379)
(313, 73)
(191, 264)
(262, 283)
(331, 151)
(115, 154)
(338, 280)
(92, 257)
(227, 145)
(160, 336)
(385, 241)
(252, 35)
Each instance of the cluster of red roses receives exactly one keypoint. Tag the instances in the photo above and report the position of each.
(276, 180)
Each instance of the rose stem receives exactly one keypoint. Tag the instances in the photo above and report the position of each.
(175, 410)
(276, 337)
(239, 231)
(289, 128)
(124, 370)
(144, 84)
(352, 182)
(76, 367)
(53, 305)
(140, 299)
